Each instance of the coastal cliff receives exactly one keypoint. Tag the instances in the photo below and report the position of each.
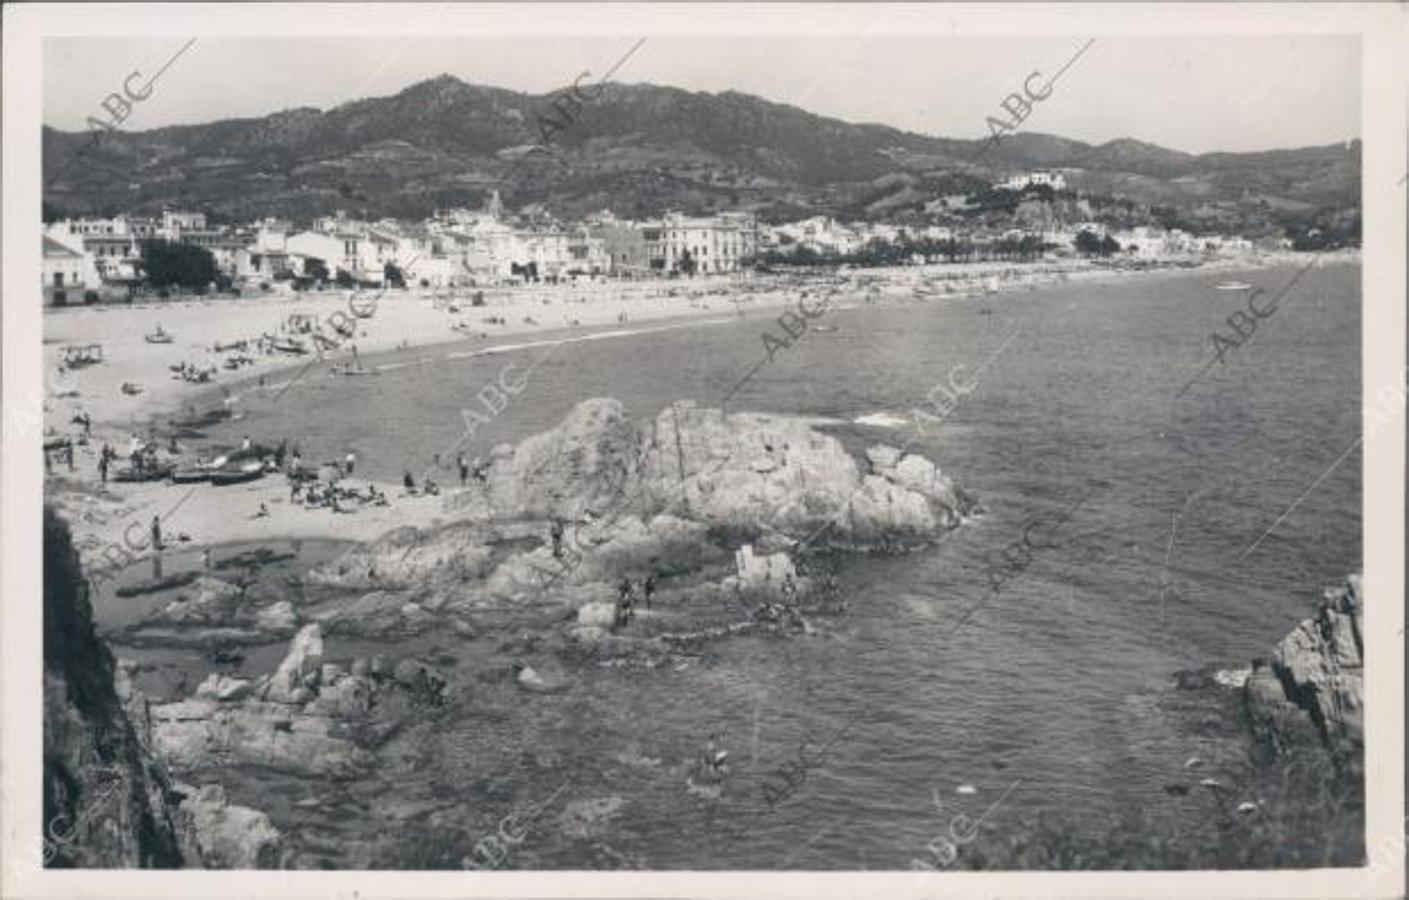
(108, 799)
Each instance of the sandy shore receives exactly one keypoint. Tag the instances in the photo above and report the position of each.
(402, 320)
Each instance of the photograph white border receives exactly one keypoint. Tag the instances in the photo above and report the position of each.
(1384, 30)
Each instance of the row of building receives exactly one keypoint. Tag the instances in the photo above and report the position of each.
(827, 236)
(455, 247)
(459, 247)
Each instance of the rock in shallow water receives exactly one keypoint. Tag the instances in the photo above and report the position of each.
(301, 668)
(230, 836)
(678, 494)
(223, 687)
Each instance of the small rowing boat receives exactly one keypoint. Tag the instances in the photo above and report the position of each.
(290, 345)
(159, 337)
(1233, 286)
(157, 472)
(221, 477)
(349, 369)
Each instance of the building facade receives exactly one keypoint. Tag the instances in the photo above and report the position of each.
(62, 276)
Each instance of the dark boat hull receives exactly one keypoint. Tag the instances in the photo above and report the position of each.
(222, 478)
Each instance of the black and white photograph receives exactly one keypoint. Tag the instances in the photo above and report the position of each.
(915, 443)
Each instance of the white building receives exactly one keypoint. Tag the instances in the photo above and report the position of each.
(1024, 180)
(822, 234)
(175, 223)
(62, 274)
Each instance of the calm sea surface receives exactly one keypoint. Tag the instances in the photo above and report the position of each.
(1055, 680)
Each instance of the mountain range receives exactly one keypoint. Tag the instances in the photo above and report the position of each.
(643, 149)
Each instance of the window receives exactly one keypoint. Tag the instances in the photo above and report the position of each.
(58, 279)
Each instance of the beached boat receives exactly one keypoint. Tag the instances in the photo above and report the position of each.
(201, 420)
(78, 355)
(158, 472)
(159, 337)
(246, 472)
(350, 369)
(153, 585)
(289, 345)
(1233, 286)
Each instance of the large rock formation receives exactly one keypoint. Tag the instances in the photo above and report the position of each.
(291, 721)
(745, 470)
(679, 494)
(1314, 681)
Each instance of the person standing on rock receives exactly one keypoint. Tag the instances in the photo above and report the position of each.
(464, 469)
(156, 532)
(103, 467)
(351, 462)
(556, 532)
(648, 589)
(623, 602)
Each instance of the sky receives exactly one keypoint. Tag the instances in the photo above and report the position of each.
(1194, 93)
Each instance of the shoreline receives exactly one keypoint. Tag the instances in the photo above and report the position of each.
(403, 328)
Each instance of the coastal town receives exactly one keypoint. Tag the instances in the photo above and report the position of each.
(91, 260)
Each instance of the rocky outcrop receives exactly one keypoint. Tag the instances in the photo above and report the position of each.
(211, 611)
(297, 676)
(230, 836)
(1314, 682)
(293, 720)
(309, 717)
(746, 470)
(677, 495)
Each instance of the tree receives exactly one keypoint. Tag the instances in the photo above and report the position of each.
(315, 268)
(687, 263)
(168, 263)
(391, 273)
(1109, 245)
(1088, 244)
